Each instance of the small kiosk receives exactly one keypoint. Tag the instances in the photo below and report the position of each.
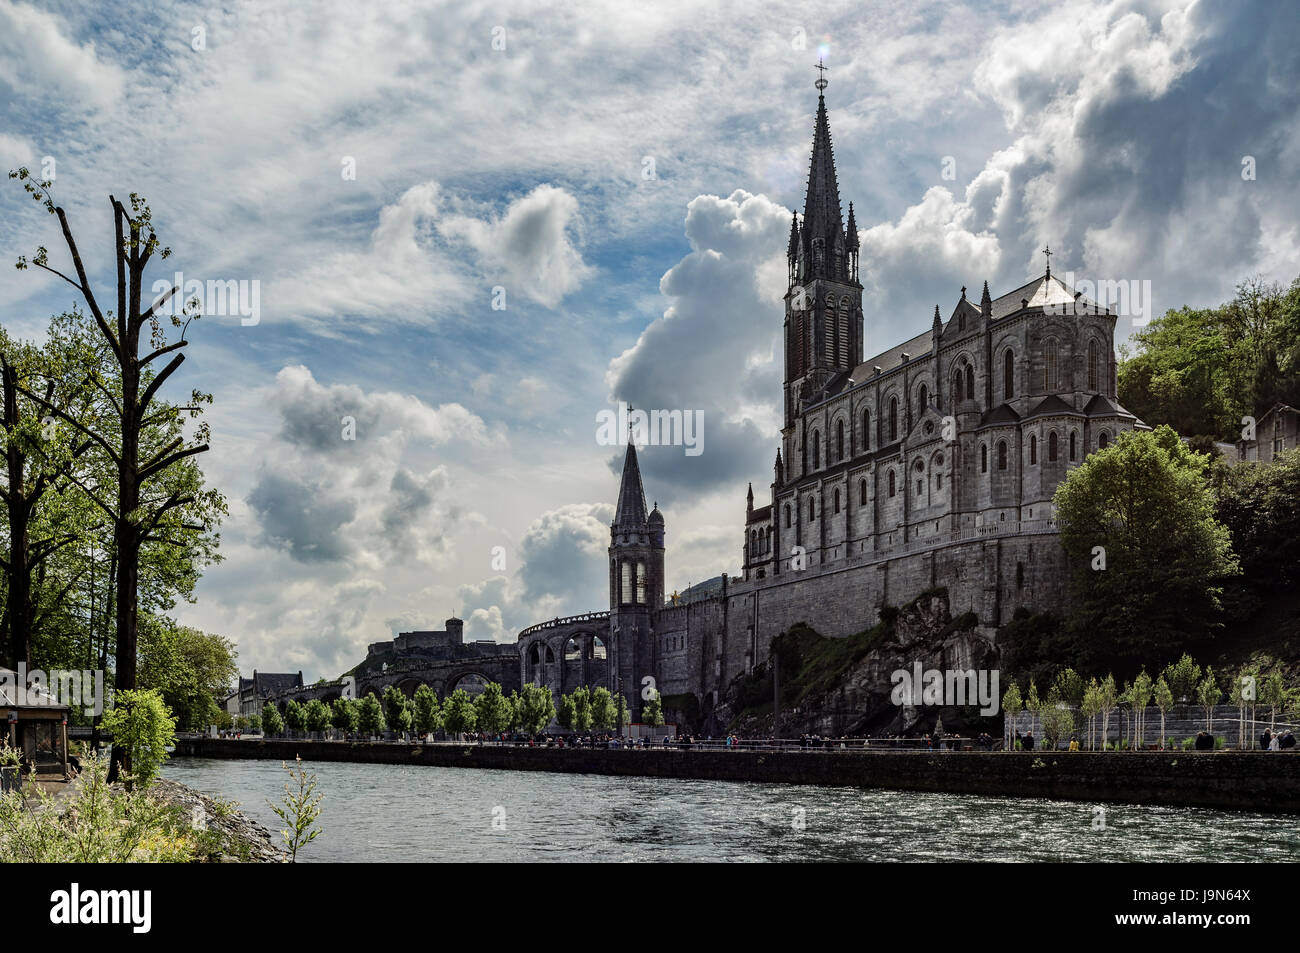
(35, 724)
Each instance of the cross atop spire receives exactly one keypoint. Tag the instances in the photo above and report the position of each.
(822, 82)
(823, 227)
(1047, 251)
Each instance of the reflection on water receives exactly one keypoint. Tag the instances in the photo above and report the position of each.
(415, 813)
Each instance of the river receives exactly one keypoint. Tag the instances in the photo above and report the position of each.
(411, 813)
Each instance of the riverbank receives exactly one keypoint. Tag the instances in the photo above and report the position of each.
(1265, 782)
(235, 837)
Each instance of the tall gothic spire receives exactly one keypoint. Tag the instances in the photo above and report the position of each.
(821, 211)
(631, 496)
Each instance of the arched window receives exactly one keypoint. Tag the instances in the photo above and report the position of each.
(597, 648)
(1002, 454)
(787, 516)
(1051, 447)
(892, 486)
(893, 421)
(866, 430)
(1009, 375)
(1049, 373)
(1103, 441)
(1033, 448)
(572, 651)
(839, 440)
(625, 590)
(837, 499)
(812, 510)
(925, 398)
(817, 451)
(640, 581)
(970, 382)
(1094, 360)
(862, 492)
(753, 543)
(984, 458)
(1073, 434)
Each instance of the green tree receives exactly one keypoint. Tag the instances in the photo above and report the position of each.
(1259, 503)
(317, 715)
(493, 709)
(1140, 696)
(582, 714)
(1208, 695)
(1164, 699)
(295, 719)
(142, 441)
(604, 714)
(536, 708)
(345, 716)
(652, 712)
(397, 709)
(188, 667)
(1069, 686)
(1013, 705)
(143, 727)
(1090, 706)
(1183, 676)
(564, 712)
(272, 723)
(1273, 693)
(428, 713)
(370, 716)
(1107, 699)
(459, 713)
(622, 716)
(1149, 558)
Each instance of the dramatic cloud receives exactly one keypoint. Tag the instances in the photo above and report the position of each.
(713, 349)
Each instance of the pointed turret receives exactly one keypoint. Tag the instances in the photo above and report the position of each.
(779, 468)
(823, 225)
(851, 231)
(938, 321)
(630, 512)
(749, 502)
(792, 250)
(986, 303)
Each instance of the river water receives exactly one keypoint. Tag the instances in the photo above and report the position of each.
(408, 813)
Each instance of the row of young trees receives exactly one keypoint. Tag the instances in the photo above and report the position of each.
(108, 520)
(491, 711)
(1182, 682)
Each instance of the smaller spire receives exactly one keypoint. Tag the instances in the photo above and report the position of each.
(750, 495)
(851, 231)
(792, 250)
(938, 322)
(986, 302)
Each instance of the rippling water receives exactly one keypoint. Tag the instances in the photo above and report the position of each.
(415, 813)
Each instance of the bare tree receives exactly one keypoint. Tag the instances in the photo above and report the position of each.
(129, 440)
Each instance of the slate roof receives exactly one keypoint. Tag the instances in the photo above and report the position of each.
(1053, 406)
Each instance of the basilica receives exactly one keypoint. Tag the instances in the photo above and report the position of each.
(933, 463)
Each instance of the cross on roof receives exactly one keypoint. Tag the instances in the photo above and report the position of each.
(1047, 250)
(821, 77)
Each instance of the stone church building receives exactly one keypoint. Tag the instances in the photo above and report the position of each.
(931, 463)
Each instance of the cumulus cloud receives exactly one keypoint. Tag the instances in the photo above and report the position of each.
(416, 262)
(37, 59)
(337, 485)
(714, 348)
(530, 244)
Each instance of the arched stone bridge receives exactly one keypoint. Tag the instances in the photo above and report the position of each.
(443, 676)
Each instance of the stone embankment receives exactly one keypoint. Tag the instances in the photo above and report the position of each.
(249, 842)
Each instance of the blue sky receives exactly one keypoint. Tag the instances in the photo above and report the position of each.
(507, 146)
